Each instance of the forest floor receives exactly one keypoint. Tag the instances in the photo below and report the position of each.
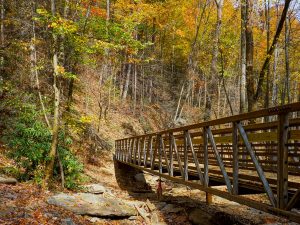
(26, 203)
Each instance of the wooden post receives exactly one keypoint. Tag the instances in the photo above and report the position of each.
(205, 150)
(282, 161)
(208, 196)
(171, 155)
(186, 160)
(235, 150)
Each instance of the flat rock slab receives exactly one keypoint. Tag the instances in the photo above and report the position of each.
(8, 180)
(94, 188)
(92, 205)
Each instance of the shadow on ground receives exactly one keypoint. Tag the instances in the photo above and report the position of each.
(141, 191)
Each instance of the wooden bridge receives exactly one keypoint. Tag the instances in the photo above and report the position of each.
(242, 152)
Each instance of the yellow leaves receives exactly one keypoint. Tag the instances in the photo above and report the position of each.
(180, 33)
(60, 69)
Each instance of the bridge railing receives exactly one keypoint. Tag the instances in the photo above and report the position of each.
(238, 151)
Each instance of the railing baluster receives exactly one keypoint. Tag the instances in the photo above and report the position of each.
(160, 152)
(219, 160)
(165, 154)
(186, 166)
(154, 152)
(190, 144)
(139, 150)
(205, 149)
(177, 155)
(149, 151)
(235, 151)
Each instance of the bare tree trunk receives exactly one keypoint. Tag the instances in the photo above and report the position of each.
(267, 15)
(135, 89)
(262, 73)
(249, 55)
(34, 70)
(179, 102)
(55, 127)
(126, 85)
(213, 70)
(150, 90)
(286, 90)
(243, 104)
(2, 46)
(275, 74)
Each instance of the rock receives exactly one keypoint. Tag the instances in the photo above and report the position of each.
(67, 221)
(140, 178)
(8, 180)
(92, 205)
(94, 188)
(198, 216)
(133, 218)
(170, 208)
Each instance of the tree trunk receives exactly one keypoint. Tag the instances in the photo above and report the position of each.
(249, 55)
(126, 85)
(286, 90)
(213, 69)
(267, 14)
(262, 73)
(2, 42)
(55, 127)
(34, 70)
(243, 104)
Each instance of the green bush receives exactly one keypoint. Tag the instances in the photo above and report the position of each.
(29, 140)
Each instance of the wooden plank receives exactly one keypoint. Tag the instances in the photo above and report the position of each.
(258, 168)
(186, 172)
(294, 200)
(219, 159)
(190, 144)
(282, 159)
(235, 162)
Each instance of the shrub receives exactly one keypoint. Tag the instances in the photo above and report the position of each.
(29, 140)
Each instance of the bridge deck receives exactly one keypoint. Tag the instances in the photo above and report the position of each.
(241, 151)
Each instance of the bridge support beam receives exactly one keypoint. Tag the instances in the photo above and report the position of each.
(282, 161)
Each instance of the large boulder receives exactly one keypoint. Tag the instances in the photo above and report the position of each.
(92, 205)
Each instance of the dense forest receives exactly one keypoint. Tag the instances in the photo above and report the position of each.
(75, 74)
